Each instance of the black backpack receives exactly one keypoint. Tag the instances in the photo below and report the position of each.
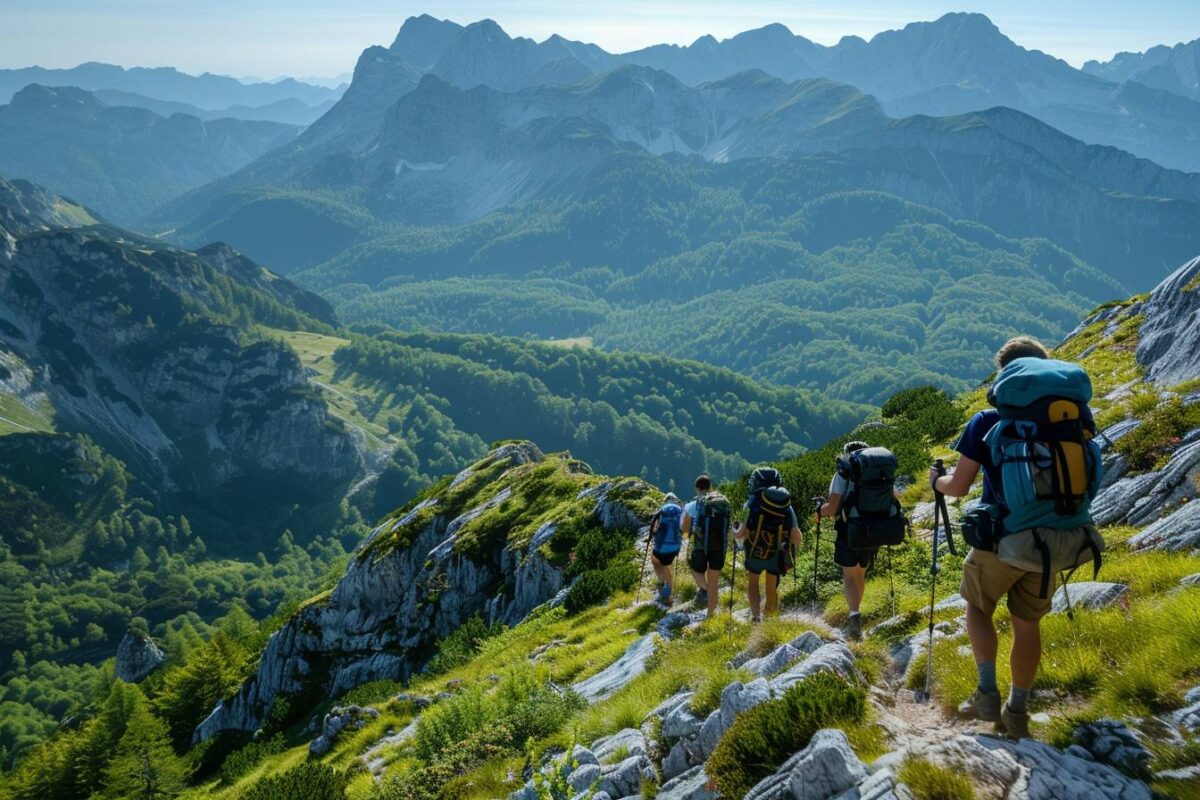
(870, 511)
(768, 522)
(764, 478)
(712, 511)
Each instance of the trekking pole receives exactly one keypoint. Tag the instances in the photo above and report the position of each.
(891, 583)
(642, 574)
(817, 503)
(939, 504)
(732, 580)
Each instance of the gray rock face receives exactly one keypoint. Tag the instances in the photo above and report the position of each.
(338, 719)
(137, 657)
(1190, 580)
(1141, 499)
(824, 769)
(390, 605)
(1179, 531)
(782, 656)
(1090, 595)
(1111, 742)
(1169, 339)
(610, 679)
(1032, 770)
(625, 778)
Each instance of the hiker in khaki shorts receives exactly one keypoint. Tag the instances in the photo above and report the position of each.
(986, 578)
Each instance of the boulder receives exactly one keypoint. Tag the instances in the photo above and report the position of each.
(832, 657)
(338, 719)
(583, 777)
(691, 785)
(581, 756)
(1190, 580)
(629, 740)
(680, 723)
(1090, 595)
(775, 661)
(137, 657)
(1188, 717)
(1113, 743)
(825, 768)
(625, 778)
(882, 785)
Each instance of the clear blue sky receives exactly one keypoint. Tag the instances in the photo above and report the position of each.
(307, 37)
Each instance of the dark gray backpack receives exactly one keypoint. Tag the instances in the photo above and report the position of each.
(871, 512)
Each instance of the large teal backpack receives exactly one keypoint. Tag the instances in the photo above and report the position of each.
(1050, 466)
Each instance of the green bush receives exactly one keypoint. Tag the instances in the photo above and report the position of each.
(461, 645)
(929, 408)
(1158, 435)
(761, 739)
(242, 761)
(927, 781)
(307, 781)
(708, 694)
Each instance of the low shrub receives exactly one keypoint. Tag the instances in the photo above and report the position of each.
(928, 781)
(242, 761)
(708, 694)
(462, 645)
(761, 739)
(307, 781)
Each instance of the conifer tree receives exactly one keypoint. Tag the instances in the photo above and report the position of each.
(144, 767)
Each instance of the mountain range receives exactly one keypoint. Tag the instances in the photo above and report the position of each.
(1173, 69)
(206, 91)
(956, 64)
(118, 160)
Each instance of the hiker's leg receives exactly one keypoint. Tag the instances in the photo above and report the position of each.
(713, 585)
(772, 594)
(752, 593)
(853, 583)
(982, 633)
(660, 572)
(1026, 651)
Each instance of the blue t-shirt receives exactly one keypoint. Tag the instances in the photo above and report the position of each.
(971, 445)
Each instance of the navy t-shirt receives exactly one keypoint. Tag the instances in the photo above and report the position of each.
(971, 445)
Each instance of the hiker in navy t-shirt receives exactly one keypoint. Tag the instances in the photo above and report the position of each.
(986, 578)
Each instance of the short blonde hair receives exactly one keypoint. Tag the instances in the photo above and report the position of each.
(1020, 347)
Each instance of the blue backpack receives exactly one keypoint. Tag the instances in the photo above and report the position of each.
(668, 529)
(1050, 466)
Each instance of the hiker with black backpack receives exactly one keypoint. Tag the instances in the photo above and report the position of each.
(1041, 468)
(706, 521)
(866, 508)
(665, 540)
(771, 535)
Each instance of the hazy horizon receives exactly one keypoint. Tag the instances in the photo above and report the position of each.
(309, 38)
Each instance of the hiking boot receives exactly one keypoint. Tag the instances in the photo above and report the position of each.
(664, 595)
(982, 705)
(854, 627)
(1015, 723)
(702, 598)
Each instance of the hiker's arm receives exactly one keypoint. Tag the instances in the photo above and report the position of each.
(959, 481)
(797, 537)
(832, 504)
(739, 530)
(686, 525)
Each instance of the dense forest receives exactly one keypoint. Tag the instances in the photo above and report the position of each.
(858, 294)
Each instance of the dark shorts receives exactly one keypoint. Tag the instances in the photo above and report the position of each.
(845, 556)
(666, 559)
(777, 565)
(707, 555)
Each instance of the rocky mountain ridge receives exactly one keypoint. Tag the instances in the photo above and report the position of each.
(135, 345)
(119, 160)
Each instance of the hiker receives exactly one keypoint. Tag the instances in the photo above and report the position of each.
(706, 520)
(847, 498)
(666, 534)
(1040, 470)
(771, 534)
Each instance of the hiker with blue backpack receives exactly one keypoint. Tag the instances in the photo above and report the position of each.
(666, 539)
(1041, 468)
(770, 536)
(867, 516)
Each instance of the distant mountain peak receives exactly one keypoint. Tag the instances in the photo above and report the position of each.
(35, 95)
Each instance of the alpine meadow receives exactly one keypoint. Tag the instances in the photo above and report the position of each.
(566, 407)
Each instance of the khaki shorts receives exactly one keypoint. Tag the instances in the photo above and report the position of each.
(986, 579)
